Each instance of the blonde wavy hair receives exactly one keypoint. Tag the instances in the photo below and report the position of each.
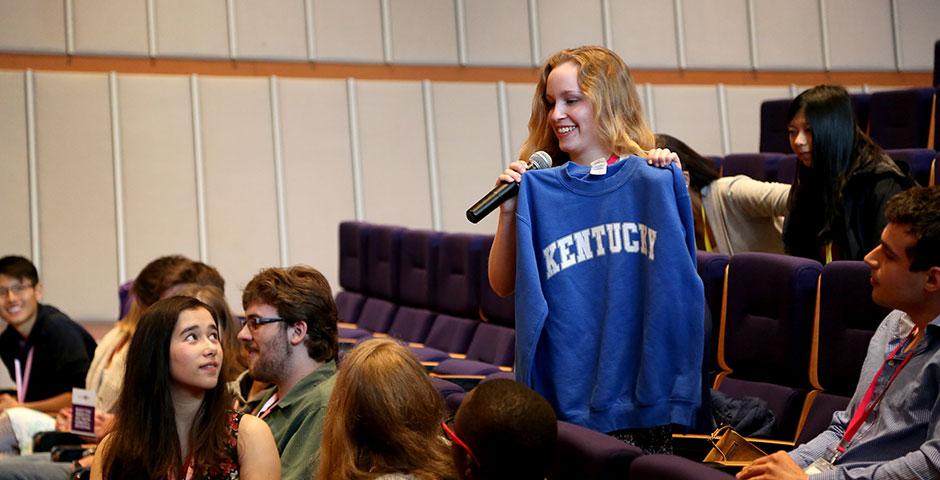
(605, 80)
(384, 416)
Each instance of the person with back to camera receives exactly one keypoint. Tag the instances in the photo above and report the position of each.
(732, 214)
(609, 308)
(843, 179)
(172, 418)
(503, 430)
(384, 419)
(891, 426)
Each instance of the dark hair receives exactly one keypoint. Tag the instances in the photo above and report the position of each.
(215, 299)
(300, 294)
(510, 429)
(384, 416)
(919, 210)
(164, 272)
(144, 442)
(701, 170)
(20, 268)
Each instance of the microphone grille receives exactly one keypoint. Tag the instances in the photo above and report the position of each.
(540, 159)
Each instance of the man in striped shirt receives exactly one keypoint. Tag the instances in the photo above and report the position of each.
(891, 427)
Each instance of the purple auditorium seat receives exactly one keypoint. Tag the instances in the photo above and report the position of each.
(785, 171)
(125, 297)
(716, 161)
(711, 269)
(773, 126)
(671, 467)
(353, 238)
(493, 308)
(754, 165)
(448, 335)
(411, 324)
(861, 107)
(847, 319)
(451, 393)
(766, 330)
(376, 316)
(588, 455)
(492, 346)
(901, 118)
(349, 305)
(417, 267)
(458, 275)
(918, 160)
(382, 257)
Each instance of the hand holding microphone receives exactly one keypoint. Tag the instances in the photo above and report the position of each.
(508, 189)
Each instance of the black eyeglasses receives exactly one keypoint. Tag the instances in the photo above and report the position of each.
(254, 321)
(17, 289)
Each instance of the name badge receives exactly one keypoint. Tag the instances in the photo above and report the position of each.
(83, 411)
(819, 466)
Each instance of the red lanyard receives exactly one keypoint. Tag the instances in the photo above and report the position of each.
(268, 406)
(867, 405)
(22, 377)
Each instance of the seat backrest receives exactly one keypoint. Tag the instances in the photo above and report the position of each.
(353, 237)
(458, 275)
(377, 315)
(773, 126)
(411, 324)
(785, 170)
(918, 160)
(417, 267)
(493, 344)
(848, 317)
(861, 107)
(349, 306)
(382, 259)
(673, 467)
(711, 269)
(451, 334)
(493, 308)
(753, 165)
(901, 118)
(584, 453)
(125, 298)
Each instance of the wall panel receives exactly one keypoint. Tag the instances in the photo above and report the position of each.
(272, 29)
(111, 27)
(33, 26)
(519, 100)
(716, 34)
(159, 174)
(561, 26)
(76, 194)
(318, 186)
(498, 32)
(860, 34)
(689, 113)
(919, 22)
(14, 163)
(241, 208)
(744, 114)
(191, 29)
(395, 178)
(468, 151)
(639, 45)
(788, 35)
(424, 31)
(333, 22)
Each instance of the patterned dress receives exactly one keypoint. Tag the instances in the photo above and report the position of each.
(227, 470)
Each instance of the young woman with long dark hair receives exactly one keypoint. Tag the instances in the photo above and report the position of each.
(172, 418)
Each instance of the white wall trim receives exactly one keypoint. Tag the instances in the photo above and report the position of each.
(29, 83)
(200, 169)
(723, 119)
(69, 27)
(460, 20)
(535, 43)
(502, 108)
(427, 96)
(650, 105)
(310, 31)
(232, 32)
(118, 165)
(151, 29)
(355, 153)
(606, 24)
(275, 98)
(752, 34)
(794, 90)
(680, 34)
(386, 11)
(896, 31)
(824, 36)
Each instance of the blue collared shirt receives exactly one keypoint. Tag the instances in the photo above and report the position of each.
(901, 438)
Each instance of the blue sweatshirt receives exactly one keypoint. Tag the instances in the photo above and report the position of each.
(609, 307)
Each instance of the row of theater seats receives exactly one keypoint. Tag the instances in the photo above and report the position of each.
(895, 119)
(791, 332)
(779, 167)
(429, 289)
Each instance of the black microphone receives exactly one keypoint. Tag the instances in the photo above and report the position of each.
(505, 191)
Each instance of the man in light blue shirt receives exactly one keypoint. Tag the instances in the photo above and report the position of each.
(898, 435)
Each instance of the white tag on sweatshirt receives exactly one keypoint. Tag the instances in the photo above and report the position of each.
(599, 167)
